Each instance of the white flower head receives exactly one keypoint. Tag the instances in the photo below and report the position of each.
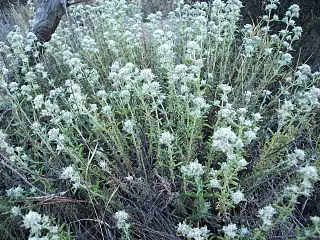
(3, 143)
(225, 140)
(53, 134)
(15, 192)
(193, 233)
(107, 111)
(225, 88)
(256, 117)
(309, 172)
(74, 176)
(244, 231)
(248, 95)
(296, 156)
(214, 183)
(33, 221)
(121, 218)
(266, 214)
(146, 75)
(193, 170)
(200, 106)
(104, 165)
(315, 220)
(237, 197)
(16, 211)
(286, 110)
(38, 101)
(128, 126)
(230, 230)
(166, 138)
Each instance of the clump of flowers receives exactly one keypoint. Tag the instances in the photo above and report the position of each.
(16, 192)
(193, 170)
(37, 224)
(72, 175)
(230, 230)
(122, 222)
(225, 140)
(166, 139)
(193, 233)
(266, 214)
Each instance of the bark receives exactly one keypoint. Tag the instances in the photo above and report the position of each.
(47, 18)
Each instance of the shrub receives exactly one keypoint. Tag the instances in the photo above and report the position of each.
(184, 126)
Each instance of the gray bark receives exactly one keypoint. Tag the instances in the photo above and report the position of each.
(47, 18)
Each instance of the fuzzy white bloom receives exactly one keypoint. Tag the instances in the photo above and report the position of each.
(286, 110)
(89, 44)
(53, 134)
(179, 73)
(214, 183)
(266, 214)
(193, 170)
(292, 189)
(151, 88)
(15, 192)
(244, 231)
(309, 172)
(250, 135)
(285, 59)
(307, 101)
(74, 176)
(225, 140)
(125, 96)
(237, 197)
(268, 51)
(200, 106)
(128, 126)
(166, 138)
(146, 75)
(104, 165)
(305, 69)
(266, 92)
(256, 117)
(242, 163)
(33, 221)
(121, 218)
(315, 220)
(225, 88)
(248, 95)
(36, 126)
(293, 11)
(3, 143)
(107, 111)
(227, 113)
(297, 32)
(230, 230)
(200, 102)
(193, 233)
(16, 211)
(38, 101)
(296, 156)
(67, 116)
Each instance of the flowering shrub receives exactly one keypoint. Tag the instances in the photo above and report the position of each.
(193, 126)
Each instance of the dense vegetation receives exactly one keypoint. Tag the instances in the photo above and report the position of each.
(188, 126)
